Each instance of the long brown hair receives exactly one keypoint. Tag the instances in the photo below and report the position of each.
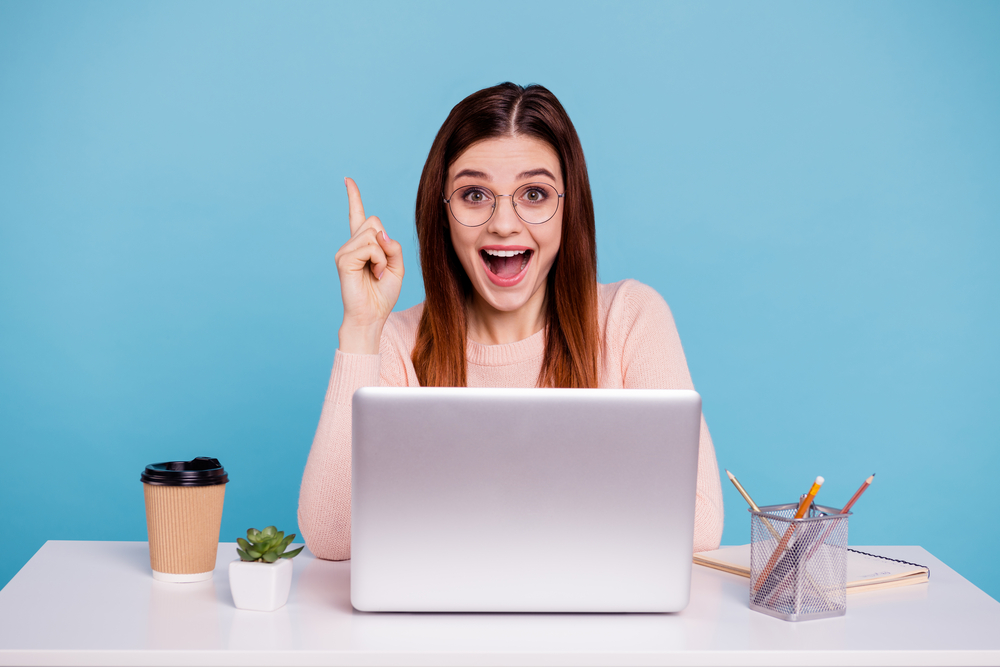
(571, 329)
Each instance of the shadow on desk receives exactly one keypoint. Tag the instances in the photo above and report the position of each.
(318, 585)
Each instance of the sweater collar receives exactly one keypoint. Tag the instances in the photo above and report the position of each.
(505, 354)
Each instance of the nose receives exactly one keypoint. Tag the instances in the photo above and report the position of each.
(505, 220)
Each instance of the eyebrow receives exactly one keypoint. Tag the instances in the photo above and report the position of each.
(535, 172)
(474, 173)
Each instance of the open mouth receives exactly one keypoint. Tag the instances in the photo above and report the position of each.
(505, 267)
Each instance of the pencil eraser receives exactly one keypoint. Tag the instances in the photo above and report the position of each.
(819, 479)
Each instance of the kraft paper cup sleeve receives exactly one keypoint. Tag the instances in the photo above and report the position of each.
(184, 501)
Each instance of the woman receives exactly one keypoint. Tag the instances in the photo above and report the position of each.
(505, 223)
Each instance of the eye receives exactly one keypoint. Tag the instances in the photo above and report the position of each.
(474, 195)
(535, 195)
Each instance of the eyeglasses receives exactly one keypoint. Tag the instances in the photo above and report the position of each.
(474, 205)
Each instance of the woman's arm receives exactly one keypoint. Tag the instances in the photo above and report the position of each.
(652, 358)
(325, 495)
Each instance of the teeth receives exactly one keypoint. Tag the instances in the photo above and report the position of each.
(503, 253)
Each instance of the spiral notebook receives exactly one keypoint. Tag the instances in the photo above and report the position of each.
(865, 571)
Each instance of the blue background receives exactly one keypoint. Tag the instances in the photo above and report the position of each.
(811, 186)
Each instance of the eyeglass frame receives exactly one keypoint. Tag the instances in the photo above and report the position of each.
(447, 202)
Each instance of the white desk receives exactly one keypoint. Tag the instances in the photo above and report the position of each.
(95, 603)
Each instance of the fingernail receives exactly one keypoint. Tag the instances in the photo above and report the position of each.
(345, 181)
(384, 235)
(381, 274)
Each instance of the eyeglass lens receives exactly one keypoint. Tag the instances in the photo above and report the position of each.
(473, 205)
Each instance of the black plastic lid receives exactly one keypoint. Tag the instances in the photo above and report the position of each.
(201, 471)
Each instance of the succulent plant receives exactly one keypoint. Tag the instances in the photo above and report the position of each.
(265, 546)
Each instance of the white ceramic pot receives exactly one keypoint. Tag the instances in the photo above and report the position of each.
(260, 586)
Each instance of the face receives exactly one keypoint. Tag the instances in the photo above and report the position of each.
(507, 259)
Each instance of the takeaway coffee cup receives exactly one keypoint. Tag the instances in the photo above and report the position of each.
(183, 516)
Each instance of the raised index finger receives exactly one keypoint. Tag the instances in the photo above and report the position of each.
(357, 209)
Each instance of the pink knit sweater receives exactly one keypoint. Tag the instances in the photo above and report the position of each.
(640, 350)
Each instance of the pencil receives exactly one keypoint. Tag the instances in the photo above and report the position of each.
(751, 503)
(807, 501)
(857, 494)
(743, 492)
(780, 549)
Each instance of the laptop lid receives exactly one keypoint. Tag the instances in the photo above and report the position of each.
(568, 500)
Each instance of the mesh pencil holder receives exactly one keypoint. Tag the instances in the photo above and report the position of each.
(798, 567)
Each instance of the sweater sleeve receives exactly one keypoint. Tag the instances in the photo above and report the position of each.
(654, 359)
(325, 495)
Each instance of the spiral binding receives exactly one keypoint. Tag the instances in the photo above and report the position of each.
(895, 560)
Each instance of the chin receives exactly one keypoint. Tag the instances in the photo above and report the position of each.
(505, 299)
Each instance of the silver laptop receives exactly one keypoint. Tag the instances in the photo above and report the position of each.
(523, 500)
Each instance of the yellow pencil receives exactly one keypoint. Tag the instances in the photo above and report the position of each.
(807, 501)
(780, 549)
